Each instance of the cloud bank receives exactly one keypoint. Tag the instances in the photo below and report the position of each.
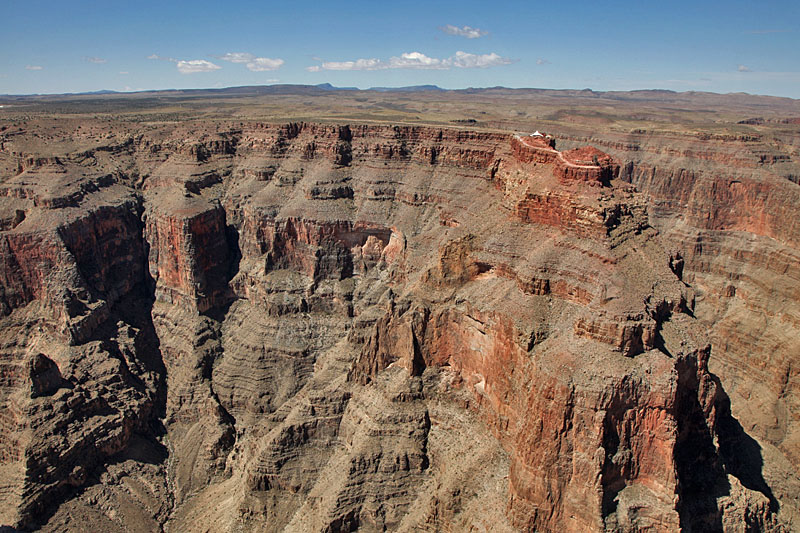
(196, 65)
(253, 63)
(416, 60)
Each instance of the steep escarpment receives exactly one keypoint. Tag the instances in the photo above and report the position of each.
(725, 207)
(309, 327)
(79, 375)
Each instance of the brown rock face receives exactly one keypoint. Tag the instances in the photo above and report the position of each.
(724, 211)
(189, 253)
(309, 327)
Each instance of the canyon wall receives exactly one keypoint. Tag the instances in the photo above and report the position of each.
(726, 210)
(315, 327)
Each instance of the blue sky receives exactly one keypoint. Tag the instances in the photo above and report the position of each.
(73, 46)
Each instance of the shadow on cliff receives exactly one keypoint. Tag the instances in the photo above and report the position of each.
(703, 467)
(233, 259)
(234, 251)
(143, 446)
(742, 457)
(136, 311)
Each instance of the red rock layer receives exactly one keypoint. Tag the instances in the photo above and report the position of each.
(436, 269)
(587, 164)
(576, 449)
(188, 252)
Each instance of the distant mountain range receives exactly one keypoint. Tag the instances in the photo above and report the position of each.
(655, 95)
(409, 89)
(248, 89)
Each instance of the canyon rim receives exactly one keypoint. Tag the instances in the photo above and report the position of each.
(227, 311)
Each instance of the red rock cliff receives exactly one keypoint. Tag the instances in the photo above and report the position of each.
(329, 327)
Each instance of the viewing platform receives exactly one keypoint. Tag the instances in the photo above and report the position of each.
(587, 164)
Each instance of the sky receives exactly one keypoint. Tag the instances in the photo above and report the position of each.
(79, 46)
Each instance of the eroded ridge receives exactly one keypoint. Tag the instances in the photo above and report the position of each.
(308, 327)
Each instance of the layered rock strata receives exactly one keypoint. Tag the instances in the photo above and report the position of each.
(309, 327)
(725, 208)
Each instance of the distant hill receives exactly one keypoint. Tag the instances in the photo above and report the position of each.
(409, 89)
(658, 96)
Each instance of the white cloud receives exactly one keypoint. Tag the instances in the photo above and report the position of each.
(465, 60)
(196, 65)
(253, 63)
(191, 66)
(95, 60)
(542, 61)
(33, 67)
(416, 60)
(238, 57)
(464, 31)
(261, 64)
(358, 64)
(124, 72)
(743, 68)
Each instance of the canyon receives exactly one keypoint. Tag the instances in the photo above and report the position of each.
(264, 322)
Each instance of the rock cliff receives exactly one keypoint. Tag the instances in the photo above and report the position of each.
(315, 327)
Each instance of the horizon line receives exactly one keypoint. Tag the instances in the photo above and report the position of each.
(326, 86)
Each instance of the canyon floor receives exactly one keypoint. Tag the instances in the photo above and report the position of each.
(305, 309)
